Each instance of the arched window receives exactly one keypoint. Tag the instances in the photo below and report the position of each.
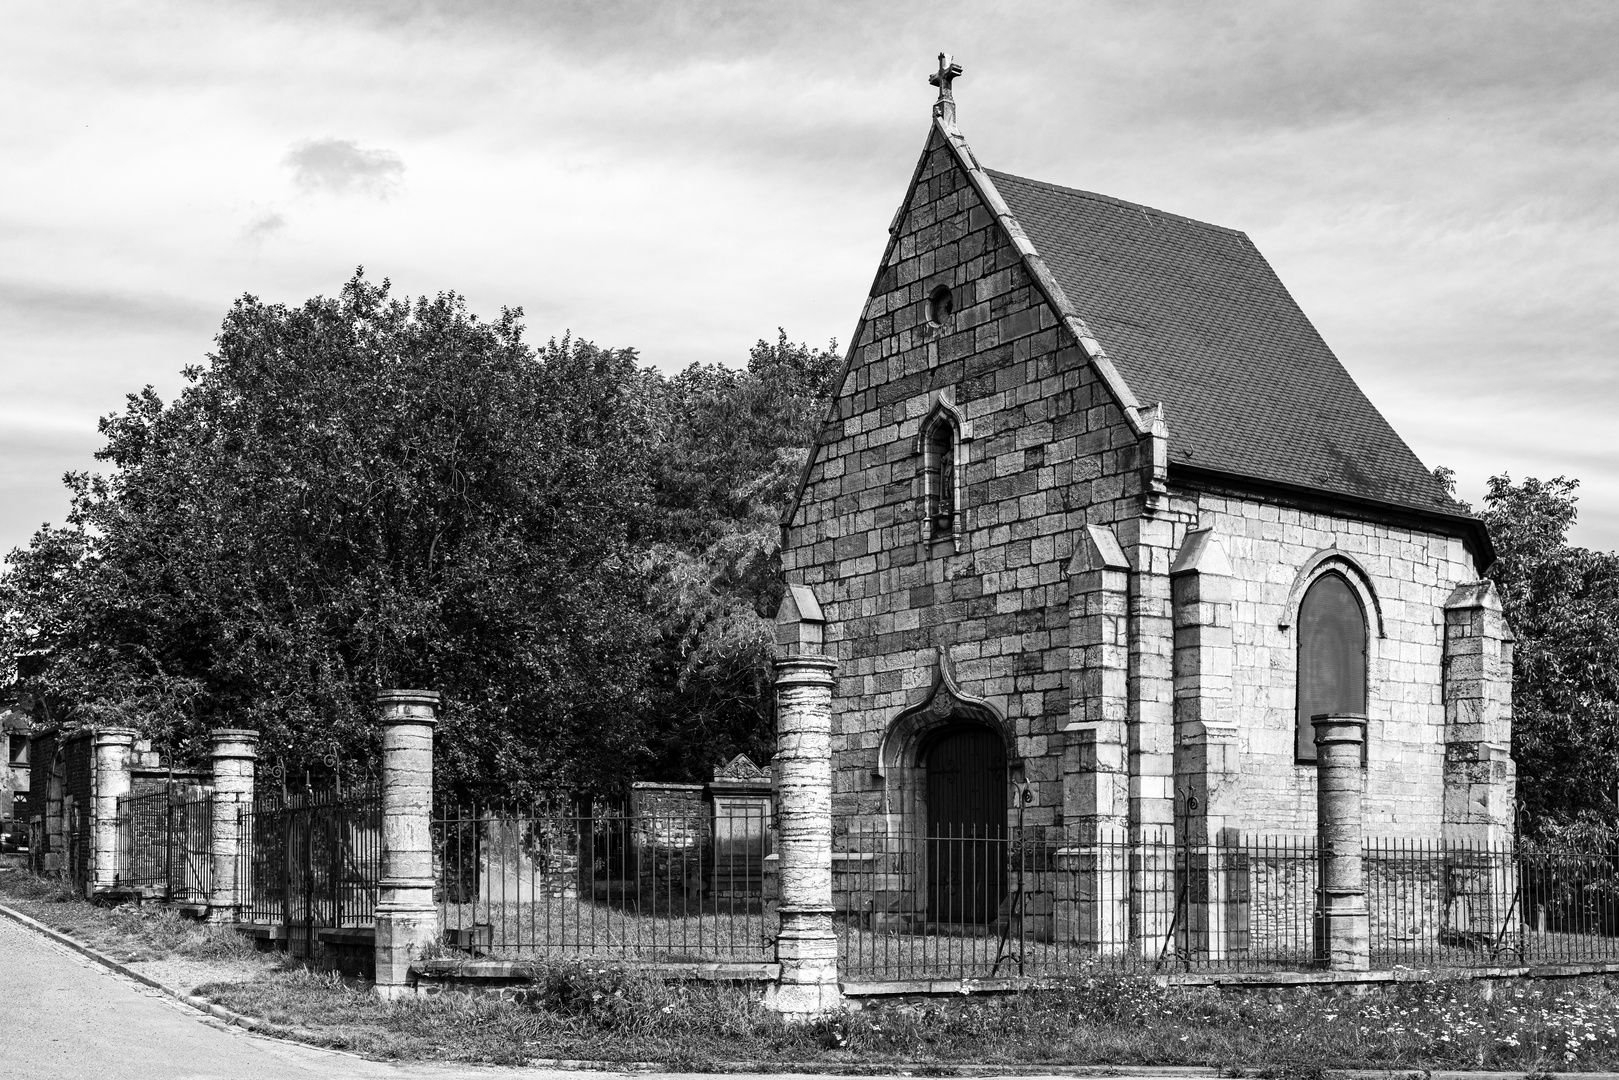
(940, 485)
(1332, 655)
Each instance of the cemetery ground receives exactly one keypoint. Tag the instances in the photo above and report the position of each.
(601, 1012)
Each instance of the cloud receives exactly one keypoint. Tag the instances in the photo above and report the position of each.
(67, 308)
(342, 165)
(265, 225)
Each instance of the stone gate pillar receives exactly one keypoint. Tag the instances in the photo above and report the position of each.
(407, 921)
(1342, 922)
(234, 753)
(112, 757)
(806, 946)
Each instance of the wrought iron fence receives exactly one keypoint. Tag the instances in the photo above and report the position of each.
(658, 887)
(949, 903)
(166, 836)
(310, 861)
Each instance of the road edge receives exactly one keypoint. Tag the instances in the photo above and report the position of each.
(303, 1037)
(229, 1017)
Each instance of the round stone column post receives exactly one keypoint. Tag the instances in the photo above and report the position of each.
(806, 947)
(234, 754)
(1343, 927)
(406, 919)
(113, 751)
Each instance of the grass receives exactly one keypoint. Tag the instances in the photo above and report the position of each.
(706, 931)
(602, 1012)
(605, 1013)
(127, 932)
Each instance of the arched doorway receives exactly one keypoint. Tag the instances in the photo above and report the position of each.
(966, 823)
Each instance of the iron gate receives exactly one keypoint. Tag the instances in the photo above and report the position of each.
(311, 862)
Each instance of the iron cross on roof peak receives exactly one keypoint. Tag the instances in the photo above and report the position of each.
(945, 107)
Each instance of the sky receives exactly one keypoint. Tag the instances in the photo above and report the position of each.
(1438, 184)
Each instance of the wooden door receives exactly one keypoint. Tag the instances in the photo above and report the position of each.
(966, 826)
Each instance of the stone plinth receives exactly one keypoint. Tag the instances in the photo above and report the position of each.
(407, 921)
(234, 753)
(1342, 925)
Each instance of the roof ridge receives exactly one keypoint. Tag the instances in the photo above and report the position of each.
(1126, 203)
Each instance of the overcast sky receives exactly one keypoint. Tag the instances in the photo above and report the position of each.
(1438, 184)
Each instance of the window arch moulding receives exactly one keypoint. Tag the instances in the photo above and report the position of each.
(1336, 563)
(941, 450)
(1326, 561)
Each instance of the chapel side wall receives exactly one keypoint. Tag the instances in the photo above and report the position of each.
(1048, 453)
(1412, 573)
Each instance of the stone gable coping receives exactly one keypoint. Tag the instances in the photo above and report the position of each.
(1144, 422)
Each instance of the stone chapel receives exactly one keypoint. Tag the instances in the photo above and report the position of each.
(1097, 523)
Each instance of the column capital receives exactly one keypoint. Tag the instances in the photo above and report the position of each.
(1339, 728)
(110, 736)
(233, 743)
(409, 706)
(804, 670)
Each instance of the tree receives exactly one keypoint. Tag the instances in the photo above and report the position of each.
(734, 446)
(1562, 602)
(358, 493)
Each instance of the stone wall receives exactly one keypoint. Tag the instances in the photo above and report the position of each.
(1410, 574)
(1061, 608)
(1044, 451)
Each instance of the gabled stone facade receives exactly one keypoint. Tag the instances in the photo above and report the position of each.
(1068, 572)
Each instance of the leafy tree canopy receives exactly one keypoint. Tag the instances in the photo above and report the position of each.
(733, 450)
(361, 492)
(1562, 602)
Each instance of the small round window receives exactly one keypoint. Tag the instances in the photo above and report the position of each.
(941, 306)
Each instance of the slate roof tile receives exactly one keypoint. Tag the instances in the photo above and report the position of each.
(1193, 316)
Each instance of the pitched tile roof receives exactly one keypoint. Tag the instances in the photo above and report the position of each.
(1193, 316)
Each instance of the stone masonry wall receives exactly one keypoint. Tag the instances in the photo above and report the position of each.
(1046, 452)
(1411, 573)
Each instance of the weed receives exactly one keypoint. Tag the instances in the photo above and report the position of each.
(608, 1012)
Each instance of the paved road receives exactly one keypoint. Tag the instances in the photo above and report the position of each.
(66, 1016)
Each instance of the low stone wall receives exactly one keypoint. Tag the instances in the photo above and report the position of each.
(515, 979)
(351, 951)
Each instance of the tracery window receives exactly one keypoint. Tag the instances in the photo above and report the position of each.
(1331, 655)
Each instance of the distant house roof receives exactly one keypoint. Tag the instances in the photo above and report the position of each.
(1193, 316)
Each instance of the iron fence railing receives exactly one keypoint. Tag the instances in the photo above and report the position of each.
(166, 837)
(947, 902)
(311, 861)
(658, 887)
